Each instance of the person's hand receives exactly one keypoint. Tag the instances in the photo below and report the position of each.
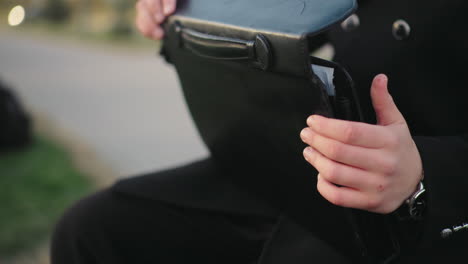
(150, 15)
(369, 167)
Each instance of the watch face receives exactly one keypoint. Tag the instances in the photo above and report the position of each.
(417, 209)
(417, 205)
(413, 208)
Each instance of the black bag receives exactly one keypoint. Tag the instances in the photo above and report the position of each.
(245, 69)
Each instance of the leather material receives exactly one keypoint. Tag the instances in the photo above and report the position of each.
(249, 107)
(276, 16)
(257, 52)
(286, 24)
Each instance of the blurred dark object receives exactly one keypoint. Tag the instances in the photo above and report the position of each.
(57, 11)
(15, 124)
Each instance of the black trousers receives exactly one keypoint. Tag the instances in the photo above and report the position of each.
(182, 215)
(110, 227)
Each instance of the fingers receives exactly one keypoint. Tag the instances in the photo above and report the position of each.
(364, 158)
(347, 197)
(352, 133)
(169, 7)
(150, 15)
(338, 173)
(146, 22)
(156, 9)
(386, 111)
(368, 167)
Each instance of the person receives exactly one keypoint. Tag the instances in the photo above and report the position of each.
(418, 134)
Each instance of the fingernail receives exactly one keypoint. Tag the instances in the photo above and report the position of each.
(168, 9)
(311, 119)
(309, 151)
(382, 78)
(304, 132)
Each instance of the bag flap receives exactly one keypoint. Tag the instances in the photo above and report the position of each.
(296, 17)
(244, 67)
(272, 34)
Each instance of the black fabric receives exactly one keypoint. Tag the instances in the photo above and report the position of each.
(291, 243)
(115, 227)
(202, 185)
(199, 184)
(111, 227)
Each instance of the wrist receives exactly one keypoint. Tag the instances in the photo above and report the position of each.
(414, 206)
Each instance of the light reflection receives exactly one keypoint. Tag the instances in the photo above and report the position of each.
(16, 16)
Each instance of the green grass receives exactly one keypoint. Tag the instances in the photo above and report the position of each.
(36, 185)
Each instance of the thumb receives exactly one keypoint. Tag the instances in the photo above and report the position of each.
(386, 111)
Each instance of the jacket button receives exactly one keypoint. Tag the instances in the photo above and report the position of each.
(446, 233)
(351, 23)
(401, 30)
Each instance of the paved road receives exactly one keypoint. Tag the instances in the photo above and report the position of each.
(125, 103)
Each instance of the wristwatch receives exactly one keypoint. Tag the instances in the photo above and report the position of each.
(417, 203)
(414, 207)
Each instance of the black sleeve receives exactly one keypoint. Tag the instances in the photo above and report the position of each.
(445, 163)
(445, 158)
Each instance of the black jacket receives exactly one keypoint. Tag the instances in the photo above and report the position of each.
(426, 73)
(427, 81)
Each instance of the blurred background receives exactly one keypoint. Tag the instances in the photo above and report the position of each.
(84, 101)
